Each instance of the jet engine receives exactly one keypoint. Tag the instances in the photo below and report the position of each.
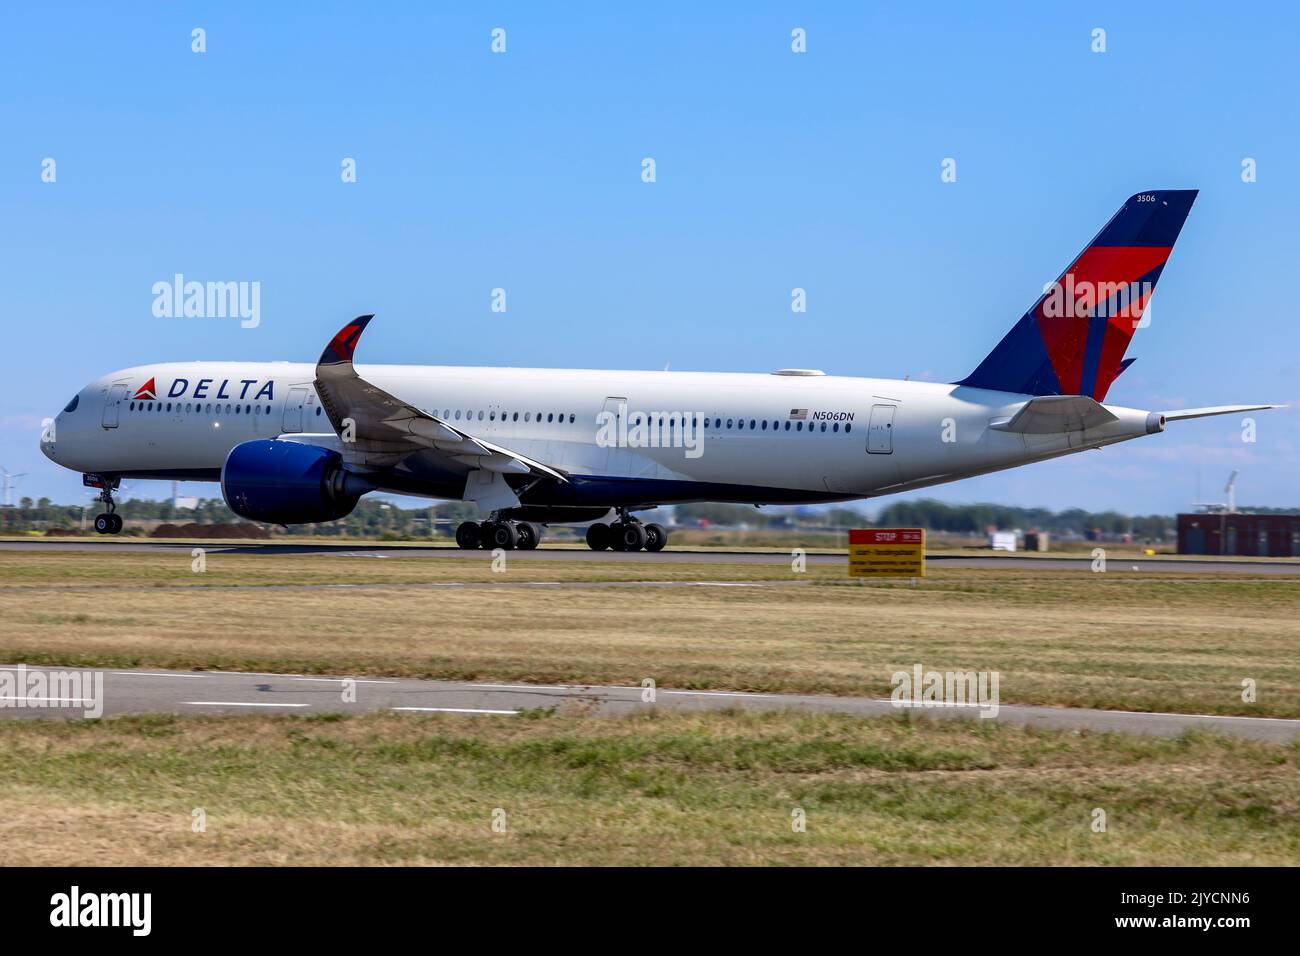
(284, 482)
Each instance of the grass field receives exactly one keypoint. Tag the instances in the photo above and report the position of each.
(662, 789)
(1162, 641)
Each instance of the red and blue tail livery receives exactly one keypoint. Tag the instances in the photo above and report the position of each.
(1072, 341)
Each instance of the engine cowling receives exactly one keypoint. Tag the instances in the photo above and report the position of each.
(285, 482)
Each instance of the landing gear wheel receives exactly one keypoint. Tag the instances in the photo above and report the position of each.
(616, 536)
(631, 536)
(598, 536)
(503, 535)
(656, 537)
(529, 536)
(106, 522)
(467, 535)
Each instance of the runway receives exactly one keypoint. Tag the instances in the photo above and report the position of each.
(673, 555)
(222, 692)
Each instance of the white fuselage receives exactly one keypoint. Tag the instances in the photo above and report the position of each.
(766, 437)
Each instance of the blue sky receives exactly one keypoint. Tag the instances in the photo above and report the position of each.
(774, 170)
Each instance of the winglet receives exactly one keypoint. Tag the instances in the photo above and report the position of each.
(340, 349)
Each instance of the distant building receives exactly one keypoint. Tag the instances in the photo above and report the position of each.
(1276, 536)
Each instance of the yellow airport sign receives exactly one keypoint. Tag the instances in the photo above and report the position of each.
(887, 553)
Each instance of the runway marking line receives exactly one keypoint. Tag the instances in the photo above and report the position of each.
(457, 710)
(235, 703)
(339, 680)
(151, 674)
(48, 700)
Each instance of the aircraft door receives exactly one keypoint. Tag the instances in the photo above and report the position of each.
(613, 410)
(113, 405)
(293, 407)
(880, 431)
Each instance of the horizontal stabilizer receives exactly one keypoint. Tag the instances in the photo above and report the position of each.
(1055, 415)
(1183, 413)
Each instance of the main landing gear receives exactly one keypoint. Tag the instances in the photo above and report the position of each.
(492, 534)
(626, 534)
(109, 521)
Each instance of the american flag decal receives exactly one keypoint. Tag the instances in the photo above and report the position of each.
(798, 414)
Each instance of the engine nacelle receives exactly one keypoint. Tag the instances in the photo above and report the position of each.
(284, 482)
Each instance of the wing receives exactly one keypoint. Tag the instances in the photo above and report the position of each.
(386, 429)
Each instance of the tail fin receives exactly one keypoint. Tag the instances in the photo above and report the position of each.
(1072, 342)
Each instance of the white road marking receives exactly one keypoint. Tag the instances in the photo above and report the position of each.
(1158, 713)
(715, 693)
(148, 674)
(236, 703)
(728, 584)
(523, 687)
(48, 700)
(456, 710)
(339, 680)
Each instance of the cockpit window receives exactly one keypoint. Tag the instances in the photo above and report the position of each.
(72, 405)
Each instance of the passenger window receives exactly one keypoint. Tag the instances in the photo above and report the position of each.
(848, 428)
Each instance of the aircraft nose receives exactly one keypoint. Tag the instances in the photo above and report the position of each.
(49, 437)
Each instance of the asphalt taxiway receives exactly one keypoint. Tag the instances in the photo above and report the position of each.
(225, 692)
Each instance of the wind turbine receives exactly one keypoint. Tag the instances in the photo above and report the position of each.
(10, 483)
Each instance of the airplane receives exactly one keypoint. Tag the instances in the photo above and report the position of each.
(294, 443)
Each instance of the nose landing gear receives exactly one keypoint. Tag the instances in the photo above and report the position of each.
(109, 521)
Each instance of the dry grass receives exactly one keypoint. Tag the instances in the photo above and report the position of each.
(660, 789)
(1125, 640)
